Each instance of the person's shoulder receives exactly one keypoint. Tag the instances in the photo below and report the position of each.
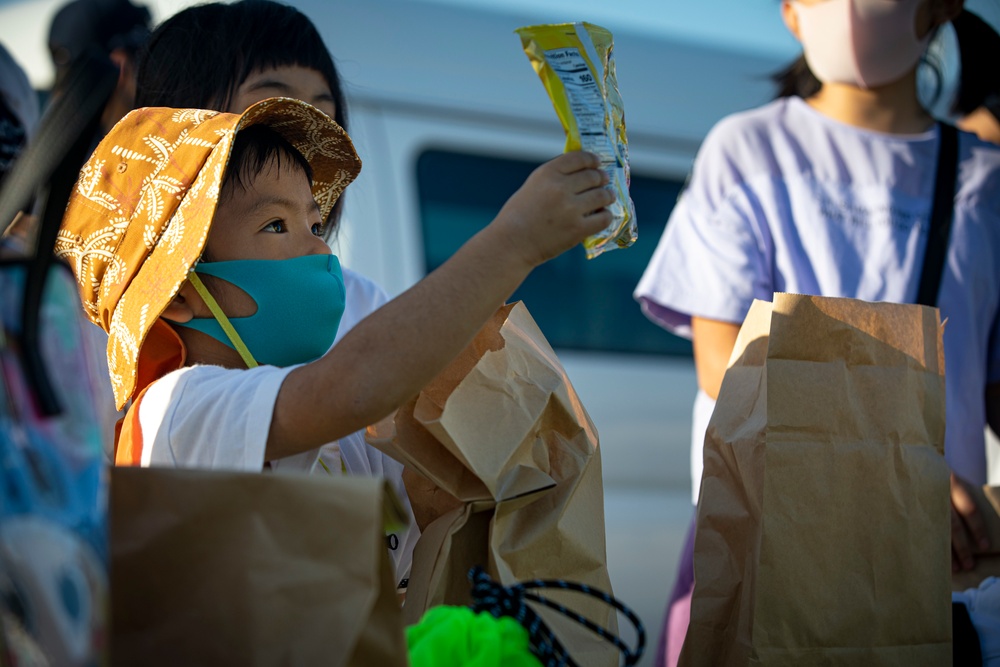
(751, 125)
(979, 172)
(741, 147)
(200, 380)
(983, 155)
(160, 399)
(171, 386)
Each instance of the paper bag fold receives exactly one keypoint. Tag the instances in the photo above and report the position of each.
(822, 530)
(249, 569)
(503, 431)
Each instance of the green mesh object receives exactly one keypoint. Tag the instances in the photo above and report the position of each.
(459, 637)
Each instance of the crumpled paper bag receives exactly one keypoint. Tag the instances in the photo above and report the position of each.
(227, 568)
(823, 526)
(504, 438)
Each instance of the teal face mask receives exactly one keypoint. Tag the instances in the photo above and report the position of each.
(299, 305)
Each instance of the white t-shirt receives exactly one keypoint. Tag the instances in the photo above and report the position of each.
(362, 297)
(784, 199)
(218, 418)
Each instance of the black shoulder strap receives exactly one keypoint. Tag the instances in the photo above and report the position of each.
(942, 211)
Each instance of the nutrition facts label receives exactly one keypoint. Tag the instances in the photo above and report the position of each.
(576, 64)
(585, 99)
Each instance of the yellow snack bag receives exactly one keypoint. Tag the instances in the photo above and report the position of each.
(576, 63)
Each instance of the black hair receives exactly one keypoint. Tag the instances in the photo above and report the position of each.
(979, 49)
(96, 26)
(199, 57)
(979, 46)
(796, 80)
(12, 139)
(255, 149)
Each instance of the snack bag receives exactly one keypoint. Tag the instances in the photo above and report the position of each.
(576, 63)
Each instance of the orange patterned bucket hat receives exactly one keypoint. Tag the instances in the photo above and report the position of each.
(140, 213)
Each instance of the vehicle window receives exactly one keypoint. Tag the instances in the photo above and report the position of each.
(578, 304)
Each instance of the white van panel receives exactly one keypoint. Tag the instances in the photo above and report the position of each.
(390, 141)
(420, 75)
(424, 76)
(469, 59)
(641, 405)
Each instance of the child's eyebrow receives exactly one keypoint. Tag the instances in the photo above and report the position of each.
(285, 88)
(270, 83)
(276, 200)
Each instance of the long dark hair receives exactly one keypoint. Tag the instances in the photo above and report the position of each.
(199, 57)
(979, 46)
(796, 80)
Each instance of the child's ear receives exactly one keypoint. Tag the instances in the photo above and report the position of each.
(179, 309)
(791, 18)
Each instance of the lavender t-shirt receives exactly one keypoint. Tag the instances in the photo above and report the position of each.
(784, 199)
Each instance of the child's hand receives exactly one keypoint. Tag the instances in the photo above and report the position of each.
(562, 202)
(404, 344)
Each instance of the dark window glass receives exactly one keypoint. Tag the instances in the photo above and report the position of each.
(578, 304)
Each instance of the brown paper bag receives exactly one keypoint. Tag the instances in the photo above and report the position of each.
(987, 560)
(503, 431)
(823, 525)
(219, 568)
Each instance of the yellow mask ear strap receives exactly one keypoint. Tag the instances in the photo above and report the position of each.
(223, 321)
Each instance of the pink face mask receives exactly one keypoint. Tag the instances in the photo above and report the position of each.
(864, 43)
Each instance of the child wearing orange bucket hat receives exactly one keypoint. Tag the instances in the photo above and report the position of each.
(196, 240)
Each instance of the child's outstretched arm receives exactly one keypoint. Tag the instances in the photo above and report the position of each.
(388, 357)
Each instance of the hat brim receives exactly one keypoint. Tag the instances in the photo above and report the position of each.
(334, 163)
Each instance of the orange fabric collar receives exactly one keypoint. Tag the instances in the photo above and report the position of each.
(162, 352)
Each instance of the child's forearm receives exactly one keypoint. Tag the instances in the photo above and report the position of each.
(396, 350)
(390, 355)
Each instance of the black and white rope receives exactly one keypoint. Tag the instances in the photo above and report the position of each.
(489, 596)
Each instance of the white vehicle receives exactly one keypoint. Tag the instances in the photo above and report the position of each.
(449, 118)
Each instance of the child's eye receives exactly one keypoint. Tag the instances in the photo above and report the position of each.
(276, 226)
(317, 229)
